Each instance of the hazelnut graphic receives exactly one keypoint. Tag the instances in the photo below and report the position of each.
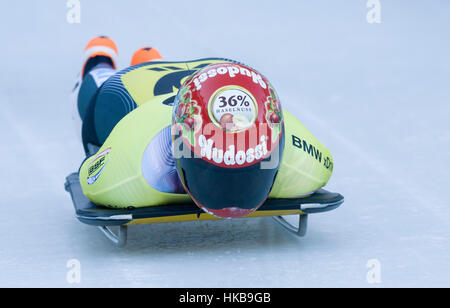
(226, 121)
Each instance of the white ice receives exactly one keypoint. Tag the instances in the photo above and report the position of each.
(377, 95)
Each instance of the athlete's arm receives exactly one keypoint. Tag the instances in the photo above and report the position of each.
(115, 175)
(306, 165)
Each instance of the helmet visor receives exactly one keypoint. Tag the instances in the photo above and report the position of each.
(226, 192)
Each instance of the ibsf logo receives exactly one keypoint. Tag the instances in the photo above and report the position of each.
(97, 165)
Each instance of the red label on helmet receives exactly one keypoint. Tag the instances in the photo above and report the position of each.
(229, 115)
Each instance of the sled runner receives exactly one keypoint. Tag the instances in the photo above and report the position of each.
(105, 218)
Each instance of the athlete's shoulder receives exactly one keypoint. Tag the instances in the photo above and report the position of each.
(162, 79)
(159, 66)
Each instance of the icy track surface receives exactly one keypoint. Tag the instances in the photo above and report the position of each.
(377, 95)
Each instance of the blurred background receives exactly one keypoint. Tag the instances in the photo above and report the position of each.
(376, 94)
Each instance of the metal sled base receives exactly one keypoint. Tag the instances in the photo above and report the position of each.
(302, 224)
(105, 218)
(119, 239)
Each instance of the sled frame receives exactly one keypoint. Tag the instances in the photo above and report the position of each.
(299, 230)
(119, 239)
(106, 218)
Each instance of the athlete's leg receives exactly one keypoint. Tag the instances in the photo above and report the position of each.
(99, 64)
(100, 70)
(100, 56)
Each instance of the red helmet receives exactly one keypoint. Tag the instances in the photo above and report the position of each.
(228, 138)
